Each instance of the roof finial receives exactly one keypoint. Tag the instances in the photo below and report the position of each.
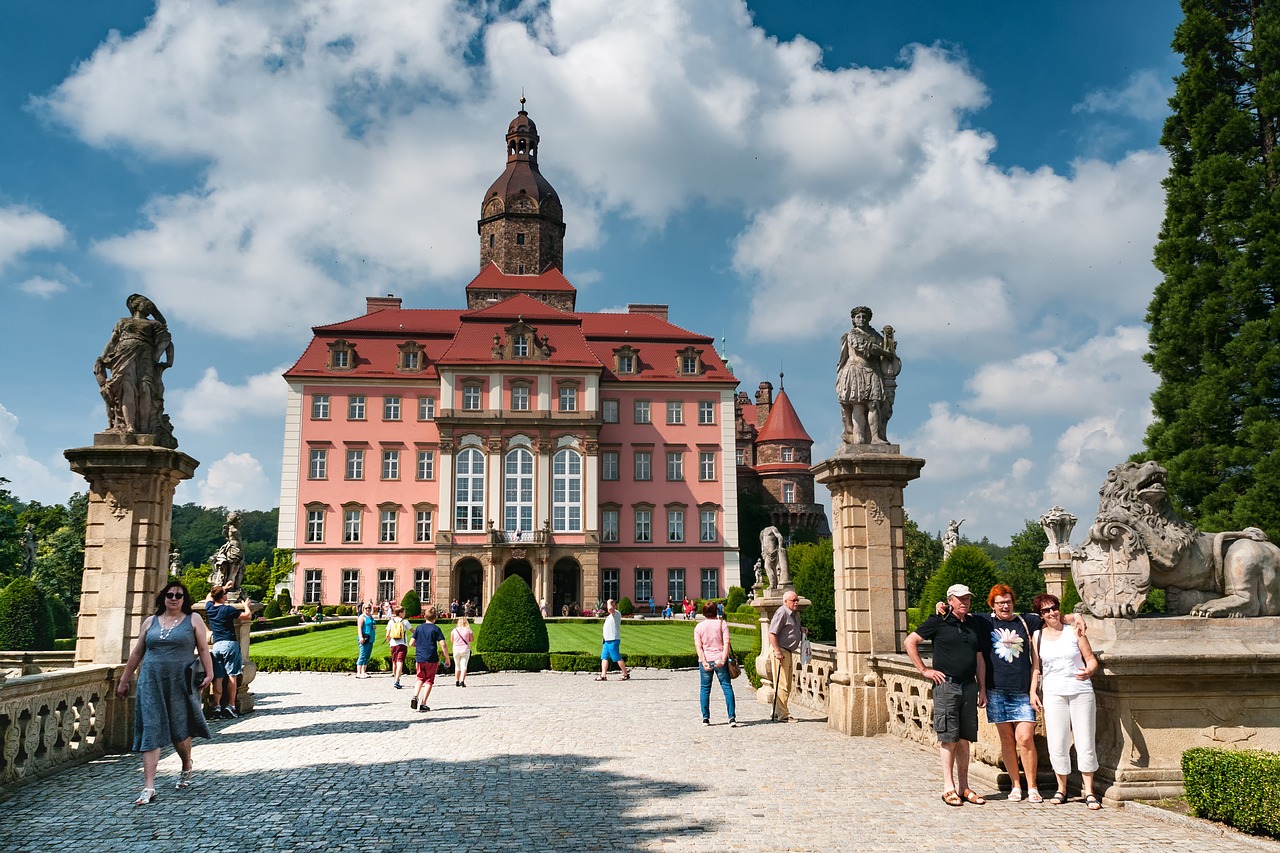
(782, 386)
(522, 99)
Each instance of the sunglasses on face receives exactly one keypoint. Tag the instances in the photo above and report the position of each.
(1050, 609)
(174, 595)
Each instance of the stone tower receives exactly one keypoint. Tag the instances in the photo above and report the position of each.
(521, 221)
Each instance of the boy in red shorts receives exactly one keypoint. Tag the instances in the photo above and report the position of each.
(428, 643)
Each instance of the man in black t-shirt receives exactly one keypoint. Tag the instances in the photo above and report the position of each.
(959, 687)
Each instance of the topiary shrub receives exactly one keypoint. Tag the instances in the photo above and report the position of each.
(1236, 787)
(737, 598)
(284, 600)
(24, 619)
(64, 624)
(412, 604)
(272, 610)
(513, 623)
(625, 607)
(969, 565)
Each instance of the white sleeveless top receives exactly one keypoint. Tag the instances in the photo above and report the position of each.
(1059, 660)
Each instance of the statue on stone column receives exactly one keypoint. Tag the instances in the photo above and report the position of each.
(866, 379)
(130, 373)
(951, 538)
(774, 553)
(227, 562)
(175, 563)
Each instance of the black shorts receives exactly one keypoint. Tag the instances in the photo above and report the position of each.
(955, 711)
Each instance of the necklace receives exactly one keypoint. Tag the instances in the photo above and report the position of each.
(165, 632)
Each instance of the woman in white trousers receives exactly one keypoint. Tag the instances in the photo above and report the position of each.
(1066, 665)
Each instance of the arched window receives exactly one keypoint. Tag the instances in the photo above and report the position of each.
(469, 492)
(566, 492)
(518, 492)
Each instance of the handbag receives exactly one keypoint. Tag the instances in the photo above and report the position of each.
(732, 665)
(194, 673)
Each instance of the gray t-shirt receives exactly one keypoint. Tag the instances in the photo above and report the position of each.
(786, 625)
(613, 626)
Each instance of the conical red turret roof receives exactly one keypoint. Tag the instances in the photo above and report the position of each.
(783, 423)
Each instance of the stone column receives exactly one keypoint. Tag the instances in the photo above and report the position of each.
(866, 483)
(126, 549)
(1057, 568)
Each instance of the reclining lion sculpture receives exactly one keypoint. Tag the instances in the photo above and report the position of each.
(1137, 542)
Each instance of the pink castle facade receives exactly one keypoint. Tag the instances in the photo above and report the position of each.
(444, 450)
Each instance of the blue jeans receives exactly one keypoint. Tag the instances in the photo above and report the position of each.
(721, 672)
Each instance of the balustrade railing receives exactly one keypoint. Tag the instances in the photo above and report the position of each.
(54, 719)
(910, 698)
(518, 537)
(811, 679)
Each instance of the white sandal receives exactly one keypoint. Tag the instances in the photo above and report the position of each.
(1015, 795)
(184, 780)
(146, 798)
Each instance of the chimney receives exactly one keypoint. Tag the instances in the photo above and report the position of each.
(659, 311)
(764, 403)
(381, 303)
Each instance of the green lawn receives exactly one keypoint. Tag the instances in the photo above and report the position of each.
(655, 638)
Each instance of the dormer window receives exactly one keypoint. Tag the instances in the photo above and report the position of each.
(689, 361)
(520, 346)
(341, 355)
(625, 360)
(410, 356)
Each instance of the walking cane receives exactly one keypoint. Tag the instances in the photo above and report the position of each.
(773, 660)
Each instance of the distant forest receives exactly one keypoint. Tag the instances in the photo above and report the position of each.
(197, 533)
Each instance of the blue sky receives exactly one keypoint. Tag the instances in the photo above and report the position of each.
(986, 176)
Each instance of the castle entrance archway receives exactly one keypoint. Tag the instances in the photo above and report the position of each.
(566, 585)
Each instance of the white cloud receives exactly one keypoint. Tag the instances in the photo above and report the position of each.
(235, 481)
(24, 230)
(29, 478)
(957, 445)
(212, 405)
(42, 287)
(1145, 95)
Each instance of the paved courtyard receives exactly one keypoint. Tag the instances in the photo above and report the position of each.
(544, 761)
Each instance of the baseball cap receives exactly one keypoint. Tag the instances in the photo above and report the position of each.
(959, 590)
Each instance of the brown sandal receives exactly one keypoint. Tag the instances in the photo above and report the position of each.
(971, 796)
(951, 798)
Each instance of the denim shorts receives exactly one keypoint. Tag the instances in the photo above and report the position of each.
(1009, 706)
(226, 659)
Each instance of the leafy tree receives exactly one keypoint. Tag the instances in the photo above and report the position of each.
(10, 532)
(1020, 568)
(59, 569)
(736, 598)
(258, 574)
(969, 565)
(813, 573)
(1215, 328)
(60, 618)
(512, 621)
(923, 557)
(25, 624)
(196, 580)
(412, 604)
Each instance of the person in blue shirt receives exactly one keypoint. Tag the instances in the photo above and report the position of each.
(228, 662)
(427, 642)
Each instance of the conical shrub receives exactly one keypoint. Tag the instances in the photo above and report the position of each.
(512, 621)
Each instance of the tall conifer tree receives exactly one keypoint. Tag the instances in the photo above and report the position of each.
(1215, 328)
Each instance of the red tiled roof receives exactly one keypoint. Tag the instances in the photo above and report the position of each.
(522, 305)
(783, 423)
(492, 278)
(473, 344)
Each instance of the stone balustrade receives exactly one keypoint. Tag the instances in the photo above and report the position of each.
(910, 698)
(30, 663)
(54, 719)
(812, 679)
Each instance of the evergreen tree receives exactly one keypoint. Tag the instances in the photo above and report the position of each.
(813, 573)
(969, 565)
(412, 604)
(1215, 329)
(25, 622)
(512, 621)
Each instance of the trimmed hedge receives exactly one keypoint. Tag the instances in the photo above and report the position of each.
(67, 644)
(1240, 788)
(412, 604)
(625, 607)
(306, 663)
(513, 623)
(276, 622)
(737, 598)
(575, 662)
(521, 661)
(25, 622)
(328, 625)
(272, 610)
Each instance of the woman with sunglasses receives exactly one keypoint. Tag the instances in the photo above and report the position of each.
(165, 710)
(1067, 663)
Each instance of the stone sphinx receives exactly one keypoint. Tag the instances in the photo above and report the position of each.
(1138, 541)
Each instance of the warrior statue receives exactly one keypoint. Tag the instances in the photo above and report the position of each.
(866, 380)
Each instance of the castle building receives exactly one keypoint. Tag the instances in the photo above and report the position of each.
(773, 455)
(444, 450)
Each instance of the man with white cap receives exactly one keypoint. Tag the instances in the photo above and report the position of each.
(959, 688)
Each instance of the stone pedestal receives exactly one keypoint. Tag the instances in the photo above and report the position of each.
(1056, 566)
(126, 549)
(866, 484)
(1170, 683)
(767, 601)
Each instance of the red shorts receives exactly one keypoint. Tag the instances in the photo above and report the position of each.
(427, 671)
(398, 653)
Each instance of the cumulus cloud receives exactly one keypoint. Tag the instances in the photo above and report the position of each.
(211, 405)
(24, 230)
(957, 445)
(236, 481)
(30, 479)
(41, 287)
(1145, 95)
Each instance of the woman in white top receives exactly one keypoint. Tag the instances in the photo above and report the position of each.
(1066, 665)
(461, 638)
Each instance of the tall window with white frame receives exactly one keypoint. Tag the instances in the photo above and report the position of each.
(351, 525)
(609, 586)
(350, 586)
(471, 398)
(608, 465)
(706, 465)
(675, 412)
(644, 585)
(520, 398)
(355, 464)
(315, 525)
(426, 408)
(568, 398)
(386, 584)
(391, 408)
(387, 523)
(468, 492)
(642, 415)
(707, 523)
(675, 525)
(517, 497)
(609, 411)
(788, 493)
(566, 492)
(675, 584)
(311, 586)
(609, 525)
(319, 407)
(426, 465)
(318, 469)
(644, 465)
(391, 464)
(422, 584)
(422, 521)
(355, 407)
(788, 454)
(520, 346)
(706, 412)
(710, 583)
(675, 465)
(644, 525)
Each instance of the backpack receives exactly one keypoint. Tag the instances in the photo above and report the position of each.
(395, 630)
